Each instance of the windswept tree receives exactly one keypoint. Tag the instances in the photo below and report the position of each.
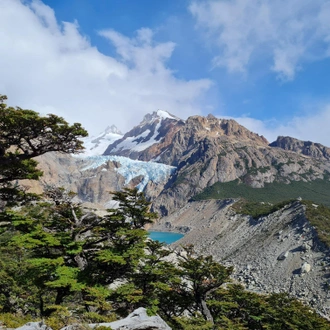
(134, 206)
(202, 276)
(24, 135)
(125, 236)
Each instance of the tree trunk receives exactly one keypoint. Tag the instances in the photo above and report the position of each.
(200, 299)
(41, 305)
(61, 293)
(206, 312)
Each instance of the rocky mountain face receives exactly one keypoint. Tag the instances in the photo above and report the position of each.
(209, 150)
(279, 252)
(206, 150)
(308, 148)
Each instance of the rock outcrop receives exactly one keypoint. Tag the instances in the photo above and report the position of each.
(137, 320)
(308, 148)
(34, 326)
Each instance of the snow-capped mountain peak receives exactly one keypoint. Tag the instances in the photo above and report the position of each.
(96, 145)
(150, 132)
(149, 118)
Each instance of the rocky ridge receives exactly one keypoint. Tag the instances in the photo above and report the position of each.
(280, 252)
(308, 148)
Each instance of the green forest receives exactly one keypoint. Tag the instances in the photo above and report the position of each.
(66, 264)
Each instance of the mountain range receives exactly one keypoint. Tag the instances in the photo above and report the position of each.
(194, 170)
(174, 160)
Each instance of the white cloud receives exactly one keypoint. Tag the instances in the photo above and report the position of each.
(288, 33)
(49, 66)
(313, 127)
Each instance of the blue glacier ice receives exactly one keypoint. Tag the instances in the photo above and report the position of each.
(130, 169)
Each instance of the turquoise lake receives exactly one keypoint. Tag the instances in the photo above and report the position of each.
(164, 237)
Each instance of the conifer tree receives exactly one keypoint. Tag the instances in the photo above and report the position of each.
(24, 135)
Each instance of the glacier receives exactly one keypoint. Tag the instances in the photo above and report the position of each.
(130, 169)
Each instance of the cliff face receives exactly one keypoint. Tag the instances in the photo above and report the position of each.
(94, 177)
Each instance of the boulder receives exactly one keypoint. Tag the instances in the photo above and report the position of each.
(283, 255)
(305, 268)
(34, 326)
(305, 247)
(137, 320)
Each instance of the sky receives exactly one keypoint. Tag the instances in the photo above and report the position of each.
(265, 63)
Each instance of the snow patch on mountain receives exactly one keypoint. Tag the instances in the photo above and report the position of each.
(164, 114)
(131, 169)
(149, 136)
(134, 143)
(96, 145)
(149, 118)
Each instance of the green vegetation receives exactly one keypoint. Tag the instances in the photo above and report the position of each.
(66, 265)
(316, 191)
(319, 216)
(24, 135)
(258, 209)
(278, 166)
(252, 311)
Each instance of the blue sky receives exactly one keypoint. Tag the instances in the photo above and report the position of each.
(265, 63)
